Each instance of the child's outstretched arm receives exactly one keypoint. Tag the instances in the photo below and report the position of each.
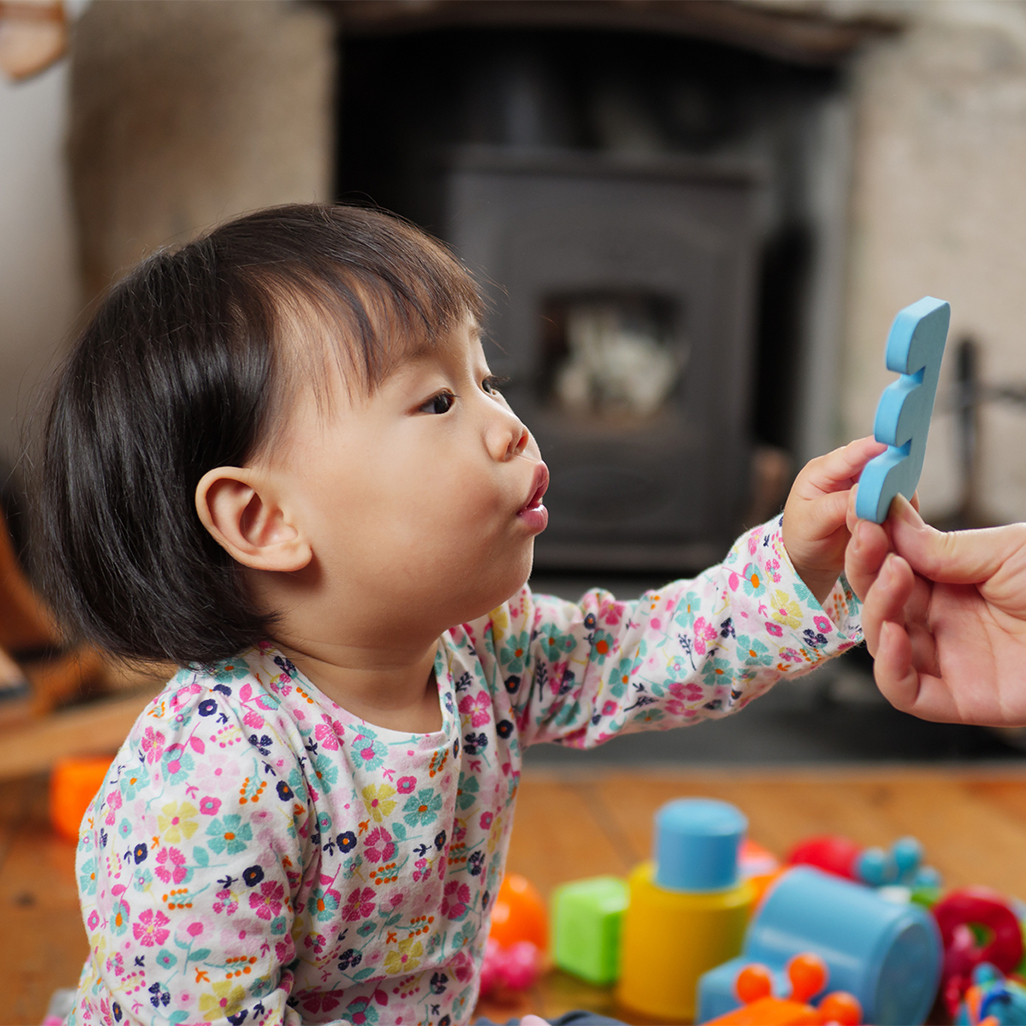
(815, 530)
(581, 673)
(944, 616)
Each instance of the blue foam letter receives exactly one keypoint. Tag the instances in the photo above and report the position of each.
(914, 349)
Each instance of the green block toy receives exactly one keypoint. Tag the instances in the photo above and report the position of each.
(586, 918)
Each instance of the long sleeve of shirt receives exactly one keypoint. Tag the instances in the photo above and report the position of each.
(579, 673)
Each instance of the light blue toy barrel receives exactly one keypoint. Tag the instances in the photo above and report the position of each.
(888, 955)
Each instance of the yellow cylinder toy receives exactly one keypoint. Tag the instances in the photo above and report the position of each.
(688, 910)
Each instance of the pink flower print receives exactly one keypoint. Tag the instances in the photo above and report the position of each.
(226, 902)
(690, 692)
(422, 870)
(379, 846)
(406, 785)
(359, 904)
(609, 707)
(149, 929)
(612, 613)
(704, 633)
(775, 629)
(152, 744)
(326, 737)
(478, 707)
(462, 966)
(113, 804)
(176, 872)
(486, 820)
(209, 806)
(823, 624)
(455, 900)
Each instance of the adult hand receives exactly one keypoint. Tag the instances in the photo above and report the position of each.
(944, 615)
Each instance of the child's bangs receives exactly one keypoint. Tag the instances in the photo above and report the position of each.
(365, 323)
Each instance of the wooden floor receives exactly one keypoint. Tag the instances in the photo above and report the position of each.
(568, 826)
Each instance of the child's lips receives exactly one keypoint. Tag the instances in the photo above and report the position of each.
(533, 512)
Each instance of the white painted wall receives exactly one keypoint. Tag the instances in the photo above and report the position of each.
(39, 285)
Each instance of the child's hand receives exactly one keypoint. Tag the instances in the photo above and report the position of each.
(533, 1020)
(815, 533)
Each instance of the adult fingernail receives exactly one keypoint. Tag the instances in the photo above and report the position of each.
(906, 511)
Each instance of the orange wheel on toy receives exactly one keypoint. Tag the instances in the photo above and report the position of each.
(519, 913)
(753, 982)
(840, 1007)
(808, 976)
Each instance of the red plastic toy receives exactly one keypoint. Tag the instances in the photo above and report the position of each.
(829, 852)
(515, 968)
(956, 915)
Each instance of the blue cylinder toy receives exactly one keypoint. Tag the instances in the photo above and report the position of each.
(888, 955)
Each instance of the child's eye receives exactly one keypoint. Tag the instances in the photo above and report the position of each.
(493, 383)
(441, 403)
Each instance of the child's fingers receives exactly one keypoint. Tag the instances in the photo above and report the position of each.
(840, 469)
(533, 1020)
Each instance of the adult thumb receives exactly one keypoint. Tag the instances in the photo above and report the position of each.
(954, 557)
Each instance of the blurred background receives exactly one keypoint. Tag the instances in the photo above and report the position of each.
(694, 221)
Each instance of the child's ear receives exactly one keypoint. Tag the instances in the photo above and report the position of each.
(239, 506)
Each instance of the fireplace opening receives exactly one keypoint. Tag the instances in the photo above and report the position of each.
(645, 212)
(609, 355)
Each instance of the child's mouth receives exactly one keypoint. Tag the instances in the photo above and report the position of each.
(533, 512)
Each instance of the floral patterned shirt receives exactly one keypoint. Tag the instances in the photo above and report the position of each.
(258, 855)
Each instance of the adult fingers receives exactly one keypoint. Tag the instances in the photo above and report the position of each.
(886, 598)
(956, 557)
(864, 554)
(893, 671)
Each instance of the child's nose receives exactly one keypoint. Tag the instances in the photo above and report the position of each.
(507, 438)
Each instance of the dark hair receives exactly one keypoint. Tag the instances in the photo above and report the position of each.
(183, 368)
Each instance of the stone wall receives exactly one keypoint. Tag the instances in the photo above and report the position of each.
(187, 112)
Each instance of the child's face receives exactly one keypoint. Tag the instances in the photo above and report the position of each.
(424, 497)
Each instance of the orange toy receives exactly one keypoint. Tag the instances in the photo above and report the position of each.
(519, 914)
(808, 975)
(73, 783)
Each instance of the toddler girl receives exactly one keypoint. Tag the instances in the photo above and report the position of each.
(277, 457)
